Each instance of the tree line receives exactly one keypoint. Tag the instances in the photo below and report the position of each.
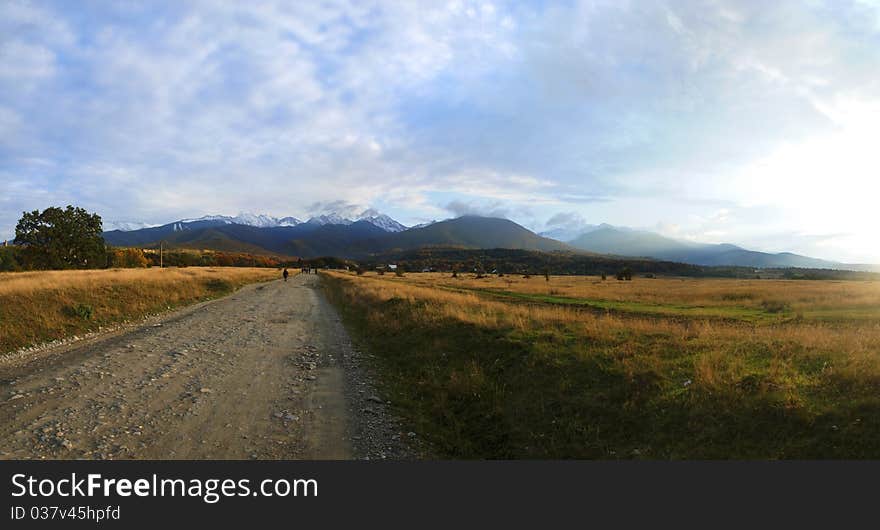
(72, 238)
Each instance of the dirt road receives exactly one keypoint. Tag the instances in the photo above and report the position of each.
(267, 373)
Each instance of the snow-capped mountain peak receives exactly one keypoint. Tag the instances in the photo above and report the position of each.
(248, 219)
(224, 218)
(381, 220)
(267, 221)
(329, 219)
(289, 221)
(369, 215)
(258, 220)
(126, 226)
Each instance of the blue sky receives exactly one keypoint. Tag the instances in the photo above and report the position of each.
(746, 122)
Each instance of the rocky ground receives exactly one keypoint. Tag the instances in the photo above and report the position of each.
(268, 372)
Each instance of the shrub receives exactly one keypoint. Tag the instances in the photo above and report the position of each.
(775, 306)
(83, 311)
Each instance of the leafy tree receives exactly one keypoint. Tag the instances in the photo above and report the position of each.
(128, 258)
(9, 259)
(58, 238)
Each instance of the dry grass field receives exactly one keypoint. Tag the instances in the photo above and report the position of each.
(755, 300)
(653, 368)
(46, 305)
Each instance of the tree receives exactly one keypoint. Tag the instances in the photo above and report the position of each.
(58, 238)
(128, 258)
(9, 259)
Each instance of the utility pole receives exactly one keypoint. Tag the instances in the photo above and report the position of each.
(161, 263)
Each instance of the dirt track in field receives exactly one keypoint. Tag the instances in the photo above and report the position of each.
(265, 373)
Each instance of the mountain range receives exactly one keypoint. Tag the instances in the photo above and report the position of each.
(372, 233)
(332, 235)
(607, 239)
(371, 216)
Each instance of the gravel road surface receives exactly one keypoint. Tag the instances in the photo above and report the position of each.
(265, 373)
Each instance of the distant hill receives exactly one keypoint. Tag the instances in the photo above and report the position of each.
(637, 243)
(472, 232)
(336, 240)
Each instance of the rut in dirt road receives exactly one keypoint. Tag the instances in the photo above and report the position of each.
(267, 372)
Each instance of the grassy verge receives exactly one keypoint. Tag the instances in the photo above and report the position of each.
(41, 306)
(481, 378)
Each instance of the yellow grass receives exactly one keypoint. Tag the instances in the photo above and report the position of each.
(47, 305)
(683, 386)
(14, 283)
(800, 295)
(856, 342)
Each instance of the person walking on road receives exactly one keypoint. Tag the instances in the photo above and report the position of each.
(285, 274)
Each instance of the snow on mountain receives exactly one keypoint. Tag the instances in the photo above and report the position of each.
(126, 226)
(248, 219)
(369, 215)
(381, 220)
(329, 219)
(225, 218)
(289, 221)
(264, 221)
(267, 221)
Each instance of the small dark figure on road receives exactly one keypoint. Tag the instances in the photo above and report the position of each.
(285, 274)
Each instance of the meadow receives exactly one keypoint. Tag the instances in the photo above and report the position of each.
(41, 306)
(659, 368)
